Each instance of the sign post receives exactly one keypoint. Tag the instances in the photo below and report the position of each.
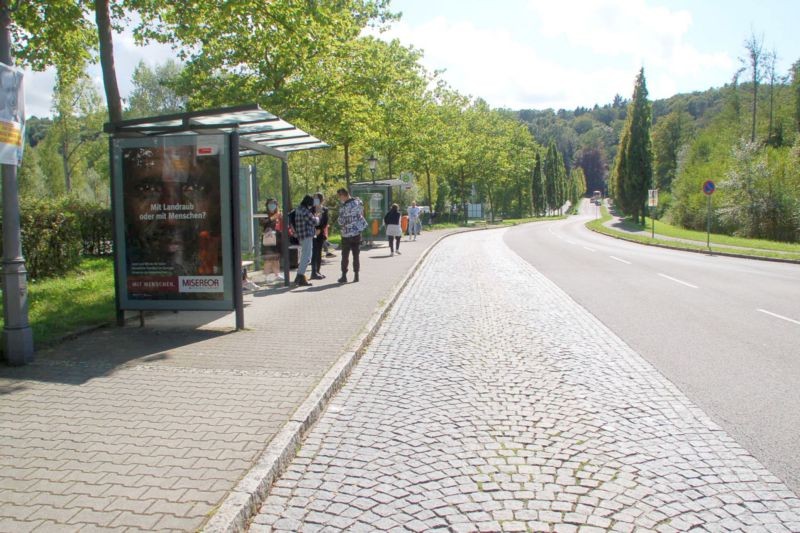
(708, 190)
(652, 201)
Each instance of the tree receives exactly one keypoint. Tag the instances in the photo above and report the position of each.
(555, 178)
(154, 90)
(634, 169)
(755, 60)
(538, 187)
(78, 121)
(796, 93)
(592, 161)
(669, 134)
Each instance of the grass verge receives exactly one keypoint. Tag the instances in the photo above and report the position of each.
(64, 305)
(598, 225)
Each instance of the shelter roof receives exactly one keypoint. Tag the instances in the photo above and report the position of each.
(260, 132)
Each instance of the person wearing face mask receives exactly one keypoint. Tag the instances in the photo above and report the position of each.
(320, 235)
(272, 229)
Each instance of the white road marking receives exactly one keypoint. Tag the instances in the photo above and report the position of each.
(620, 260)
(679, 281)
(770, 313)
(571, 241)
(590, 249)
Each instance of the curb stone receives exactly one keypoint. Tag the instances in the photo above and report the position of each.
(241, 504)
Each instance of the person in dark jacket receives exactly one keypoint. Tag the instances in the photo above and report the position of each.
(393, 230)
(320, 236)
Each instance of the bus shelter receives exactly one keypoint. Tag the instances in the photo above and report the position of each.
(176, 205)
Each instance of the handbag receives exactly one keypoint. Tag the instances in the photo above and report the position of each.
(269, 238)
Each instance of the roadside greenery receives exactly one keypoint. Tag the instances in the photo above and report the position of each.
(749, 247)
(62, 305)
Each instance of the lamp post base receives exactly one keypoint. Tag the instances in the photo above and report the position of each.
(17, 333)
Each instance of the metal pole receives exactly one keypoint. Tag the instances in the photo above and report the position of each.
(17, 333)
(116, 214)
(287, 199)
(708, 224)
(238, 299)
(653, 218)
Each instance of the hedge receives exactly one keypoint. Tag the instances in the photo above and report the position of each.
(56, 233)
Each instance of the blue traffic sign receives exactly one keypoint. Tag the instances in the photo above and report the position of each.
(709, 188)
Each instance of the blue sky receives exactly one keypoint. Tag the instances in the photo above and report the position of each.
(555, 53)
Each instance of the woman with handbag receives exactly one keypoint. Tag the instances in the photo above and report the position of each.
(272, 228)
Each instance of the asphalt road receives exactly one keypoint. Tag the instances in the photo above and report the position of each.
(726, 331)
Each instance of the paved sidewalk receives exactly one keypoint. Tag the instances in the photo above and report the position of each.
(491, 401)
(149, 429)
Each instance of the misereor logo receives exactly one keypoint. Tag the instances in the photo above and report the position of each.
(200, 284)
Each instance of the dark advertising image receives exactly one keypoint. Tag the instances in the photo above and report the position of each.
(173, 195)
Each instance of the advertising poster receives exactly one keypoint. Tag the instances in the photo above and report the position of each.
(376, 205)
(12, 115)
(173, 193)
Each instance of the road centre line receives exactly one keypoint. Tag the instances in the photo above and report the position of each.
(776, 315)
(620, 260)
(676, 280)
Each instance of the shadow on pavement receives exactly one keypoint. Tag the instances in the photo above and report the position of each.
(101, 353)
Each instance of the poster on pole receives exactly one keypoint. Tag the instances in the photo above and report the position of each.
(12, 115)
(172, 209)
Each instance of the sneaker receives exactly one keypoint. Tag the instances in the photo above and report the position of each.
(398, 252)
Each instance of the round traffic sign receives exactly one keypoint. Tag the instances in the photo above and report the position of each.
(709, 188)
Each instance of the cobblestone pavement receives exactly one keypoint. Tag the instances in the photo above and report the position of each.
(149, 429)
(490, 401)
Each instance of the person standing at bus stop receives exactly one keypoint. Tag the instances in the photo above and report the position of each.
(414, 220)
(320, 236)
(305, 223)
(352, 223)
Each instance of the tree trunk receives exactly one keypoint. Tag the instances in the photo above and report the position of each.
(113, 100)
(347, 164)
(464, 196)
(491, 203)
(430, 196)
(65, 162)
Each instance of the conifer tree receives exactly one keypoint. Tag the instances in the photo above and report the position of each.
(538, 187)
(633, 170)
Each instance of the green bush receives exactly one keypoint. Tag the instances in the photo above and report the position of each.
(51, 240)
(95, 226)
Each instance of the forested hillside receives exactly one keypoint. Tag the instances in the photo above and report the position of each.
(747, 143)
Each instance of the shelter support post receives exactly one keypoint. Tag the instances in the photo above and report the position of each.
(287, 205)
(238, 299)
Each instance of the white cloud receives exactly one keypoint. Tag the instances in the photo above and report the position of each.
(576, 53)
(491, 64)
(633, 30)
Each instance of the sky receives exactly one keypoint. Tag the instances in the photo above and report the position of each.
(536, 54)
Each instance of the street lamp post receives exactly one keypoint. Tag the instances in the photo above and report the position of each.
(17, 333)
(373, 165)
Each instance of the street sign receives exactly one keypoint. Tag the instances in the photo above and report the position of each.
(652, 198)
(709, 188)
